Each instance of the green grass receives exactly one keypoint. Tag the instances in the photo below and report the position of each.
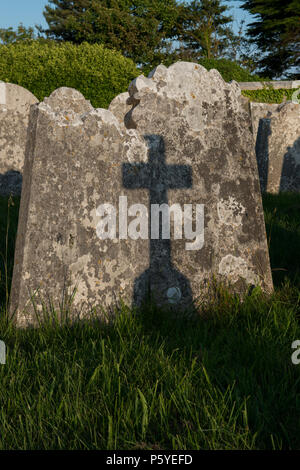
(220, 380)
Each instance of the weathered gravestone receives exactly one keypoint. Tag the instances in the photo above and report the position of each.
(119, 212)
(205, 124)
(15, 104)
(260, 111)
(73, 166)
(278, 147)
(120, 106)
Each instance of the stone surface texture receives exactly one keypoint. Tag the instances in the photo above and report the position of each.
(15, 104)
(74, 164)
(188, 141)
(120, 106)
(260, 111)
(205, 124)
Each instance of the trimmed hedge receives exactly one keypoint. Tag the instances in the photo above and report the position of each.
(98, 73)
(230, 70)
(269, 95)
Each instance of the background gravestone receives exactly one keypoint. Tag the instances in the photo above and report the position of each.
(278, 149)
(120, 107)
(188, 141)
(15, 104)
(260, 111)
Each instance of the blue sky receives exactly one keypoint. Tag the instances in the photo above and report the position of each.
(30, 12)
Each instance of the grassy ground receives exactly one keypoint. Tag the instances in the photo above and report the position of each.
(223, 380)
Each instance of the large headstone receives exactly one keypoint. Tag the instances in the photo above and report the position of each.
(160, 208)
(73, 166)
(278, 147)
(206, 125)
(15, 104)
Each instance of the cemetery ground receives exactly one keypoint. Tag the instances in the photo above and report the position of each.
(222, 379)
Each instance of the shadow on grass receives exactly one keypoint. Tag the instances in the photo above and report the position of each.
(9, 212)
(282, 217)
(220, 379)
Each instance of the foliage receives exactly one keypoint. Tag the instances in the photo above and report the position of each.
(229, 70)
(203, 29)
(222, 379)
(276, 32)
(9, 36)
(98, 73)
(139, 29)
(269, 95)
(148, 31)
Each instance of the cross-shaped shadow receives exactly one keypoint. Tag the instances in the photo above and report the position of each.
(161, 280)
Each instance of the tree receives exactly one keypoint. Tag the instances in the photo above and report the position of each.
(139, 29)
(9, 35)
(276, 32)
(147, 31)
(204, 29)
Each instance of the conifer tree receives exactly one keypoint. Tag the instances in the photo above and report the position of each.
(276, 32)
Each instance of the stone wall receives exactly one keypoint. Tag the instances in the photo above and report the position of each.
(276, 84)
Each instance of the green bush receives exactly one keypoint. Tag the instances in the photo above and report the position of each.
(98, 73)
(269, 95)
(42, 66)
(229, 70)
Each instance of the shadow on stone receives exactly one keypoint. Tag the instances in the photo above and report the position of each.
(161, 282)
(290, 173)
(11, 183)
(262, 152)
